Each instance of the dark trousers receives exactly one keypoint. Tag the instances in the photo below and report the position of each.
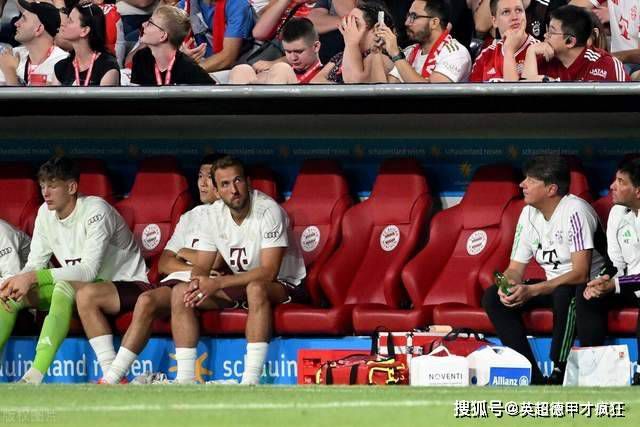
(592, 314)
(511, 331)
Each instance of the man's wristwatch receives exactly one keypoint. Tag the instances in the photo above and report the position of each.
(398, 57)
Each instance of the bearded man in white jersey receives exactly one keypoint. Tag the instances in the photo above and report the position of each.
(563, 234)
(253, 235)
(91, 242)
(436, 57)
(175, 262)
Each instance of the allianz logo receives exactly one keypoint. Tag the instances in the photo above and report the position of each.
(506, 381)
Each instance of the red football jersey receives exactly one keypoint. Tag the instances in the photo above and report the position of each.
(489, 65)
(591, 65)
(114, 34)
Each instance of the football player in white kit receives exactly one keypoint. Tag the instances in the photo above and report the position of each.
(176, 262)
(623, 246)
(562, 232)
(253, 235)
(91, 242)
(14, 250)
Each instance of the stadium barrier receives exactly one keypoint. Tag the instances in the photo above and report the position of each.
(218, 358)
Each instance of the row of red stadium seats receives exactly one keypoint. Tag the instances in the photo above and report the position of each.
(367, 264)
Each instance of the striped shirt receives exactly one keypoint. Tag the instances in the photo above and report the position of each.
(623, 245)
(590, 66)
(573, 227)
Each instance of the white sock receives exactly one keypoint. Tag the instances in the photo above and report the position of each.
(254, 363)
(32, 376)
(103, 347)
(186, 361)
(120, 365)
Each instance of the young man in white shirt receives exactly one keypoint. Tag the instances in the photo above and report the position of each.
(32, 63)
(253, 235)
(563, 234)
(623, 243)
(91, 242)
(176, 262)
(436, 57)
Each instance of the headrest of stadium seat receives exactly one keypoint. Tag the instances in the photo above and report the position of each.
(488, 194)
(262, 179)
(318, 187)
(94, 180)
(398, 181)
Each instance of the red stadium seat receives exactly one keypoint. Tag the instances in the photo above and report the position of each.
(94, 180)
(467, 243)
(319, 199)
(20, 195)
(262, 179)
(379, 235)
(157, 199)
(318, 202)
(603, 206)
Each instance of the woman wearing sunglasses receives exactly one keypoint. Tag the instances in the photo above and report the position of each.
(89, 64)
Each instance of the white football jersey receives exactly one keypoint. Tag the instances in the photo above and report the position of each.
(46, 68)
(571, 229)
(186, 235)
(93, 243)
(624, 22)
(623, 228)
(453, 61)
(14, 250)
(266, 226)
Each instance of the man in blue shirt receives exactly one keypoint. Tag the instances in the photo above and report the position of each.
(222, 47)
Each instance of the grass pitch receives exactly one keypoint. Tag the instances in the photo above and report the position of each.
(180, 406)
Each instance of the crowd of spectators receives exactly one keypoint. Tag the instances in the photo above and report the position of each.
(169, 42)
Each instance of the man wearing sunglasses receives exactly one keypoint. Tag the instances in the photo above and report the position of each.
(32, 63)
(436, 57)
(566, 53)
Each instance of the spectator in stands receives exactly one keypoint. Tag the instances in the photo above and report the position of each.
(114, 32)
(162, 62)
(92, 243)
(503, 60)
(33, 62)
(362, 60)
(225, 34)
(176, 262)
(327, 16)
(89, 63)
(565, 55)
(253, 235)
(623, 231)
(275, 14)
(562, 233)
(436, 57)
(14, 250)
(301, 46)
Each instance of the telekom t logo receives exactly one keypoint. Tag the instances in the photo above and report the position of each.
(238, 258)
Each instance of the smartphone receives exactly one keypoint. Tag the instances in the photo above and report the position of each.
(381, 17)
(502, 282)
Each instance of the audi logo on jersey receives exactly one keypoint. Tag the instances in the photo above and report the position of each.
(73, 261)
(95, 218)
(270, 234)
(238, 258)
(5, 251)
